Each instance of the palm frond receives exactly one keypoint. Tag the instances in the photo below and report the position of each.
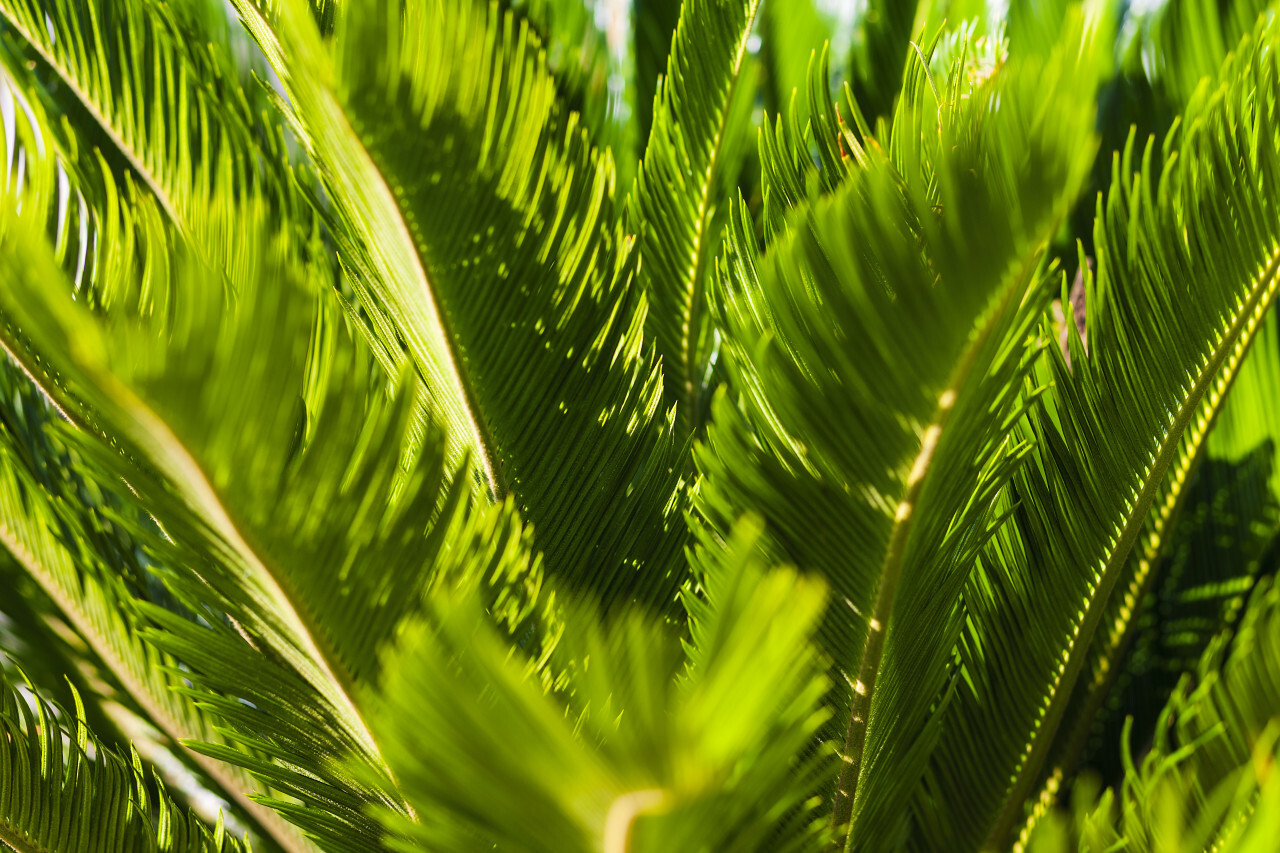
(1205, 540)
(141, 86)
(54, 520)
(900, 305)
(1209, 774)
(63, 792)
(1203, 228)
(654, 763)
(516, 307)
(681, 200)
(263, 507)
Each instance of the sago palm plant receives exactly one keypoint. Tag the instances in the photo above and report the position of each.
(448, 425)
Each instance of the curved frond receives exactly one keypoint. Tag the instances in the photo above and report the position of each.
(899, 304)
(1206, 538)
(268, 511)
(1207, 782)
(478, 224)
(712, 756)
(681, 200)
(63, 792)
(1203, 229)
(166, 107)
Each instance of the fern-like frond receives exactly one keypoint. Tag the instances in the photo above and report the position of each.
(62, 792)
(478, 223)
(165, 105)
(681, 200)
(265, 508)
(1217, 512)
(49, 525)
(1207, 782)
(899, 303)
(712, 755)
(1201, 230)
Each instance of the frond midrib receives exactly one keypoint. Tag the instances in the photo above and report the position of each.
(17, 840)
(1179, 476)
(482, 445)
(701, 248)
(1225, 357)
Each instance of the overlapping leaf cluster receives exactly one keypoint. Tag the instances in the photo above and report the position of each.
(389, 470)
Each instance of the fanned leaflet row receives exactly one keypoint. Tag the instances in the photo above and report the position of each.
(1204, 223)
(518, 308)
(156, 102)
(305, 497)
(860, 324)
(1207, 537)
(61, 790)
(592, 781)
(680, 200)
(73, 550)
(426, 485)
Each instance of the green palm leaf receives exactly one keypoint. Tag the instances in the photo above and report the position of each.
(912, 336)
(515, 307)
(262, 508)
(680, 201)
(1193, 566)
(142, 85)
(654, 762)
(55, 798)
(1142, 380)
(1208, 781)
(68, 546)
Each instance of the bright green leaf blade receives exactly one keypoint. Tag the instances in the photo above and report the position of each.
(897, 304)
(714, 756)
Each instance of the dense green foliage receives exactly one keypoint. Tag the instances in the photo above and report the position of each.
(551, 426)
